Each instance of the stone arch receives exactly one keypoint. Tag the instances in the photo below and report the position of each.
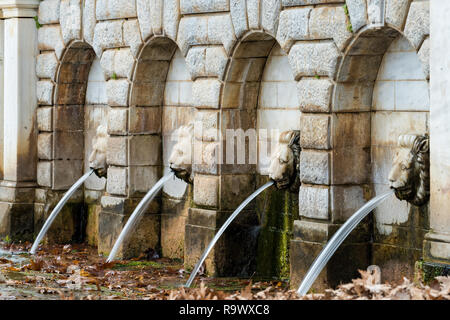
(318, 63)
(156, 100)
(378, 76)
(62, 143)
(221, 186)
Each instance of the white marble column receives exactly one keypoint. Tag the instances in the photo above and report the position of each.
(18, 118)
(437, 243)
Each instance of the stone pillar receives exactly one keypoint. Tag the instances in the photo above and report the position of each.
(19, 131)
(437, 241)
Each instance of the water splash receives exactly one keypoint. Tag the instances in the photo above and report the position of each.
(137, 214)
(222, 230)
(57, 209)
(337, 239)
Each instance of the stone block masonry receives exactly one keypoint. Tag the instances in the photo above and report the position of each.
(333, 69)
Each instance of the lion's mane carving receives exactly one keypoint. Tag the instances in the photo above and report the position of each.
(97, 158)
(410, 174)
(284, 166)
(180, 159)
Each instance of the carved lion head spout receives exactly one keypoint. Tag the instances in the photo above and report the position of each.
(410, 174)
(97, 159)
(284, 166)
(180, 159)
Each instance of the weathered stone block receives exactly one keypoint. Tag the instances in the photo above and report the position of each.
(315, 167)
(66, 173)
(144, 16)
(353, 97)
(315, 95)
(156, 7)
(424, 56)
(44, 92)
(45, 146)
(145, 150)
(45, 119)
(142, 179)
(202, 6)
(235, 189)
(171, 18)
(320, 232)
(117, 152)
(357, 10)
(117, 181)
(293, 26)
(351, 130)
(418, 22)
(16, 221)
(339, 269)
(220, 31)
(46, 64)
(117, 63)
(108, 34)
(346, 200)
(270, 12)
(238, 11)
(314, 58)
(50, 38)
(117, 121)
(195, 242)
(396, 11)
(70, 19)
(144, 237)
(172, 235)
(132, 36)
(315, 131)
(115, 9)
(253, 13)
(192, 31)
(69, 118)
(44, 173)
(314, 202)
(206, 190)
(351, 165)
(117, 92)
(289, 3)
(68, 145)
(206, 93)
(48, 11)
(149, 94)
(89, 21)
(395, 262)
(145, 120)
(92, 224)
(360, 68)
(330, 22)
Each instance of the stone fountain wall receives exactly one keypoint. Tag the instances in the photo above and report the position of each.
(332, 69)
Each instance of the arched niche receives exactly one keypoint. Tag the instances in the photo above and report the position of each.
(160, 102)
(63, 147)
(381, 93)
(260, 99)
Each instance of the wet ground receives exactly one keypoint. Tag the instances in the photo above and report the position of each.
(78, 272)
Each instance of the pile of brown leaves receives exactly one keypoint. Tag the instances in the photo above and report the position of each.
(78, 272)
(368, 287)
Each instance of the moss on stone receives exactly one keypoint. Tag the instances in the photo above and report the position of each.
(277, 211)
(428, 271)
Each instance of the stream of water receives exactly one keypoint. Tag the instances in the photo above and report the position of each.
(222, 230)
(337, 239)
(137, 214)
(57, 209)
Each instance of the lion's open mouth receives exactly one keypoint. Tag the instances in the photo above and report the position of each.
(282, 184)
(181, 173)
(403, 193)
